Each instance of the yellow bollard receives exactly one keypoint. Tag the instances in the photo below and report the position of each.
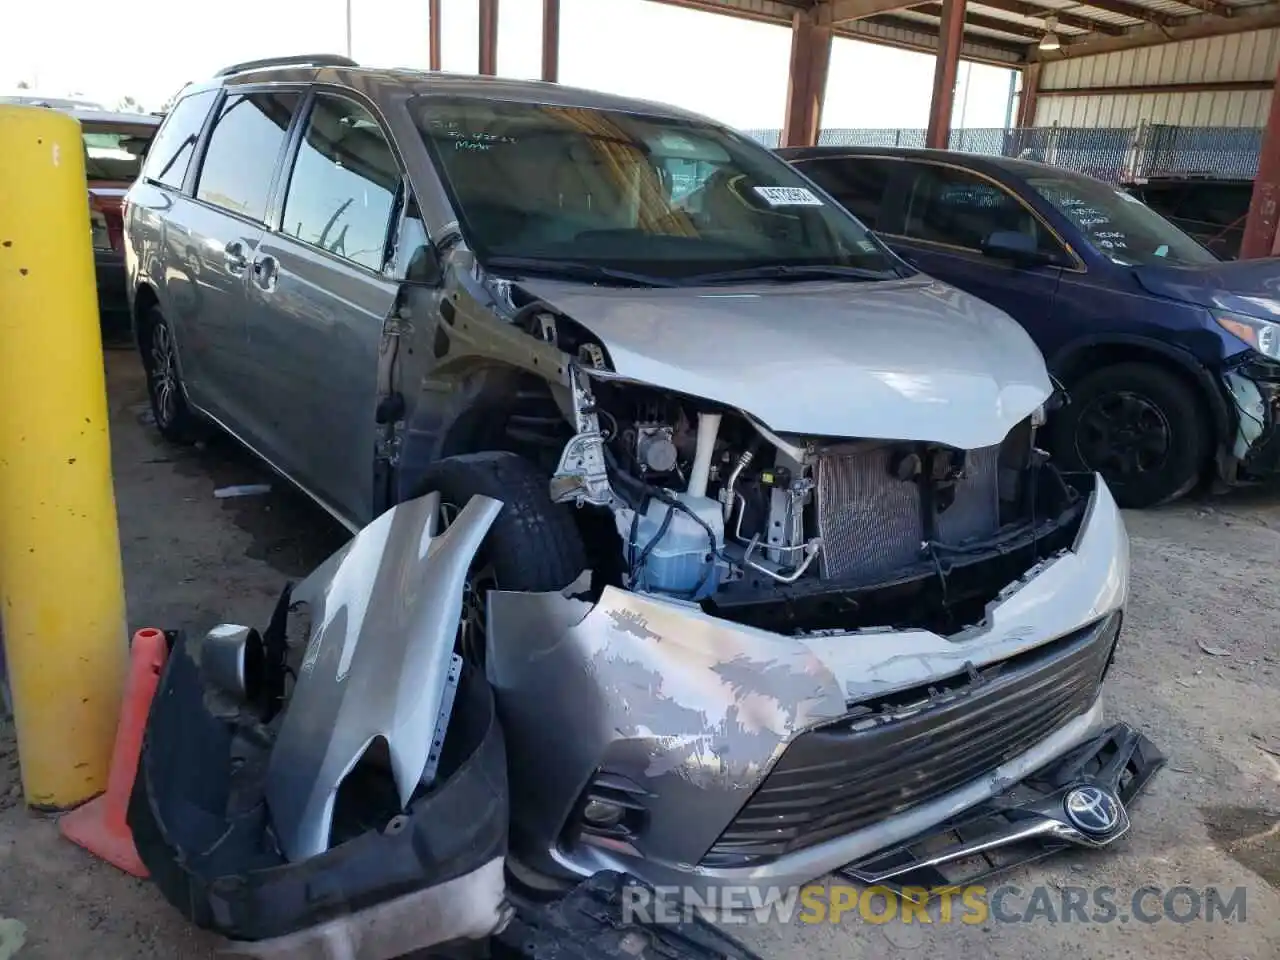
(61, 589)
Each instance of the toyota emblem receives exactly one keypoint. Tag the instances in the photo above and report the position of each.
(1093, 810)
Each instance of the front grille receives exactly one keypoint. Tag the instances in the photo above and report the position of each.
(887, 756)
(872, 523)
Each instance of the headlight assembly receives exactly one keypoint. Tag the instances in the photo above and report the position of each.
(1262, 335)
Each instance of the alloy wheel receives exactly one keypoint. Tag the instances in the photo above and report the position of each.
(164, 375)
(1123, 435)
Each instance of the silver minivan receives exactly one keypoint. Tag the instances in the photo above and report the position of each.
(772, 576)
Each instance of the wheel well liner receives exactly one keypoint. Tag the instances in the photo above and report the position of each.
(473, 419)
(144, 298)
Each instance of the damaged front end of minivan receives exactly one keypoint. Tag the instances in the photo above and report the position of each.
(819, 620)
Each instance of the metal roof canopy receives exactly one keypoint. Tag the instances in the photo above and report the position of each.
(1007, 32)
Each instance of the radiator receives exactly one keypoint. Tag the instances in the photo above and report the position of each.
(872, 523)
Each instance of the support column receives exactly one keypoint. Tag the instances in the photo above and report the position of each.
(1261, 236)
(807, 76)
(1030, 93)
(489, 38)
(551, 40)
(61, 591)
(433, 34)
(950, 39)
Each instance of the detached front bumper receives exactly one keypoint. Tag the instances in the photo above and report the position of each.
(700, 752)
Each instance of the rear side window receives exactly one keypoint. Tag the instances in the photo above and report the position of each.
(961, 209)
(243, 149)
(344, 184)
(859, 184)
(171, 150)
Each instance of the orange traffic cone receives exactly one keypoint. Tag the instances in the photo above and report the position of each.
(100, 825)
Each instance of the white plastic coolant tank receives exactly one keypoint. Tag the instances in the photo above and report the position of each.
(682, 561)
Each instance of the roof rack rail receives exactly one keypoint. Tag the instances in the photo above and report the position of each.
(300, 60)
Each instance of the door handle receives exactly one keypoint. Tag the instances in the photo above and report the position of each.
(234, 258)
(265, 270)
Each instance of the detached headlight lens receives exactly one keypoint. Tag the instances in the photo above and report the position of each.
(1262, 335)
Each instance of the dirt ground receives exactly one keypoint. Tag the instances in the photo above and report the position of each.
(1198, 670)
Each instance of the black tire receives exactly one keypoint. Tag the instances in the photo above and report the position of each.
(175, 420)
(534, 544)
(1142, 427)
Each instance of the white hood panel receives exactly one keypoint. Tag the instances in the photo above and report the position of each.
(901, 360)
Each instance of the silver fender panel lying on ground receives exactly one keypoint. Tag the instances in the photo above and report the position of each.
(384, 614)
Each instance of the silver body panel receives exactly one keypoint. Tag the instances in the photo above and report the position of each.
(384, 610)
(908, 359)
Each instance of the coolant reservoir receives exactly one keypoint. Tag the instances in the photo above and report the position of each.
(682, 561)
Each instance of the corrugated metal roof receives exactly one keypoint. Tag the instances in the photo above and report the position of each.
(921, 40)
(925, 38)
(987, 40)
(1032, 23)
(985, 30)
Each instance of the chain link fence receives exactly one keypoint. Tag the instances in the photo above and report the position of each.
(1114, 154)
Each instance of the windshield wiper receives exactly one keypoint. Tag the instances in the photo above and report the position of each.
(576, 270)
(782, 271)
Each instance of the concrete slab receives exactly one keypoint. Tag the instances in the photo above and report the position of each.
(1202, 572)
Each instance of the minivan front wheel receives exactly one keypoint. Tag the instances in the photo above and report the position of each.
(175, 420)
(1138, 425)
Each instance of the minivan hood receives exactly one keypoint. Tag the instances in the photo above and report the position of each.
(1250, 287)
(908, 359)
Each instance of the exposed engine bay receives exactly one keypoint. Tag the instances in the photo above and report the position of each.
(795, 533)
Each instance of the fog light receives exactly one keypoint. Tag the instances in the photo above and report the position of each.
(602, 813)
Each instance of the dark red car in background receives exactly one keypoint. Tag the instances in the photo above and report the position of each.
(114, 144)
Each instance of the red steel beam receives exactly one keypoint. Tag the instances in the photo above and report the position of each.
(950, 40)
(1208, 86)
(1261, 238)
(551, 40)
(489, 38)
(433, 34)
(806, 78)
(1030, 92)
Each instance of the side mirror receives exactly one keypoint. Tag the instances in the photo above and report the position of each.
(1017, 248)
(424, 266)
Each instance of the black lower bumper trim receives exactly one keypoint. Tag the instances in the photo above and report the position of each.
(1026, 823)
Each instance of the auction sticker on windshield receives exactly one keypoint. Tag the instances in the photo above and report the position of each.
(788, 197)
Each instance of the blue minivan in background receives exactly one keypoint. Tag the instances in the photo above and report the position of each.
(1169, 356)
